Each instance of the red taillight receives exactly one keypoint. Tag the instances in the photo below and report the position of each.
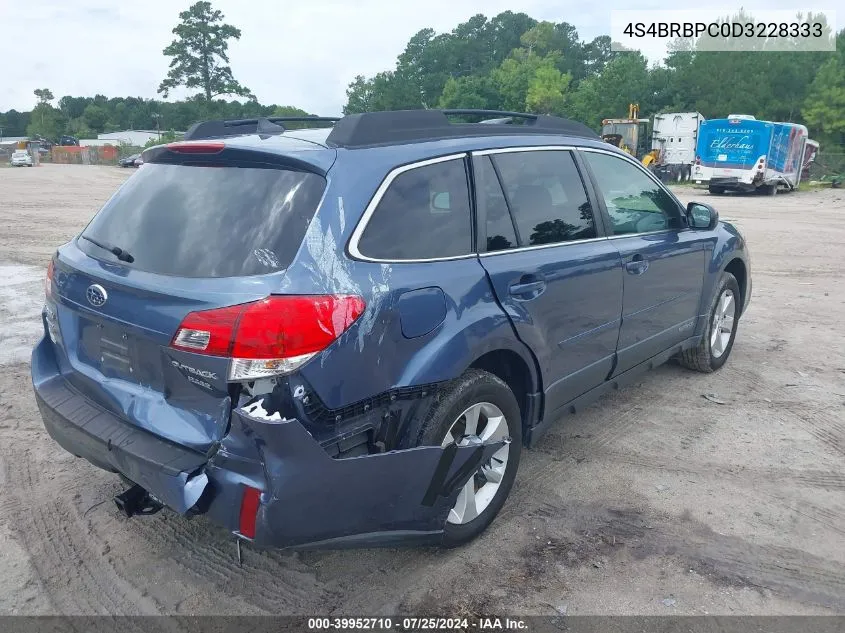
(48, 282)
(698, 160)
(269, 337)
(208, 332)
(196, 148)
(249, 511)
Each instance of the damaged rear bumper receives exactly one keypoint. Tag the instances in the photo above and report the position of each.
(307, 497)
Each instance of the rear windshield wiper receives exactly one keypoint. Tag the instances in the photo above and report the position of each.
(118, 252)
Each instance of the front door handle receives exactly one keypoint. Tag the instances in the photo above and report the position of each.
(637, 265)
(528, 287)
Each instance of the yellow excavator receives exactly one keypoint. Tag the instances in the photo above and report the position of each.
(630, 135)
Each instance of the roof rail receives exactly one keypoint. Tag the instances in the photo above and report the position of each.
(399, 126)
(237, 127)
(408, 126)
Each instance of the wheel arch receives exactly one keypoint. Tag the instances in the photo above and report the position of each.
(520, 375)
(737, 268)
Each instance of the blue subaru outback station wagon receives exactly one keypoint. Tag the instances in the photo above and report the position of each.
(346, 335)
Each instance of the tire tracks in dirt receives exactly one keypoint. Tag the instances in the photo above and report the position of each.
(209, 555)
(822, 479)
(791, 572)
(819, 421)
(587, 533)
(785, 570)
(78, 578)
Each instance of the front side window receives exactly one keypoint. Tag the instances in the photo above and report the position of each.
(635, 202)
(423, 214)
(546, 196)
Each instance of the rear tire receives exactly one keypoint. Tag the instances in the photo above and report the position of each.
(447, 422)
(715, 346)
(716, 190)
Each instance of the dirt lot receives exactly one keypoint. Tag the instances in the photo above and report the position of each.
(654, 501)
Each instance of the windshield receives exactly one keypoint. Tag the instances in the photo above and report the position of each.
(207, 221)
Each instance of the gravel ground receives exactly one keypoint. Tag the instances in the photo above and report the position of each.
(653, 501)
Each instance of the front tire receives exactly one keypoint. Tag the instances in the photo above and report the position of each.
(478, 406)
(718, 340)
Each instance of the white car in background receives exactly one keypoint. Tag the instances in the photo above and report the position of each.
(21, 158)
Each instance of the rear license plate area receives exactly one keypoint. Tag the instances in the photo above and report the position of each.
(111, 349)
(116, 354)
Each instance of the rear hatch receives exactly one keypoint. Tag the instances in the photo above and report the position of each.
(179, 237)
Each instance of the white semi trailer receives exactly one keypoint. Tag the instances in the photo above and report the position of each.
(674, 137)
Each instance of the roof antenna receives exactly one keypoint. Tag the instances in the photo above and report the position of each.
(265, 128)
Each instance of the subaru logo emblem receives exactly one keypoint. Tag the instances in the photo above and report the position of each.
(96, 295)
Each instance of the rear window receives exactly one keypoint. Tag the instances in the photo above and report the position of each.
(207, 221)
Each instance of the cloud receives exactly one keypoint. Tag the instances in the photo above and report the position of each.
(298, 53)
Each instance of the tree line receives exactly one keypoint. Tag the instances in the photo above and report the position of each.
(508, 62)
(86, 117)
(513, 62)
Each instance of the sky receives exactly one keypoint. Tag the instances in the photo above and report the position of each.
(302, 54)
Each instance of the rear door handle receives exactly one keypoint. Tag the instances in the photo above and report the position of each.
(637, 266)
(528, 285)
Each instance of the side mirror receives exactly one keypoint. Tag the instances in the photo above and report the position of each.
(702, 216)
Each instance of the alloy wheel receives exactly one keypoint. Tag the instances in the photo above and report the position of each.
(722, 327)
(480, 423)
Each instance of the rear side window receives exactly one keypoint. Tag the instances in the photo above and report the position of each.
(208, 221)
(500, 230)
(423, 214)
(546, 196)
